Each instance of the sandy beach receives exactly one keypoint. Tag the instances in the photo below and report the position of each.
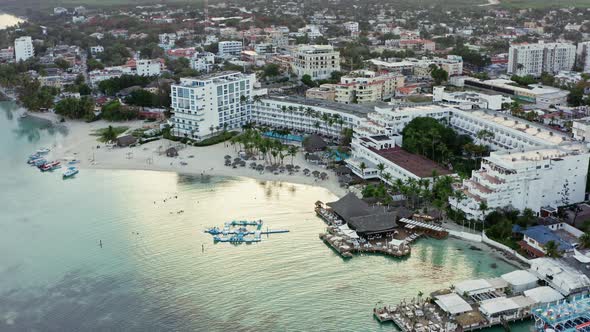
(81, 145)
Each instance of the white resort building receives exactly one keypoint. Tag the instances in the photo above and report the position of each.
(203, 106)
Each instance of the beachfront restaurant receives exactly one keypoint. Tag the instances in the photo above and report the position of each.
(520, 281)
(543, 295)
(365, 220)
(452, 304)
(505, 308)
(481, 289)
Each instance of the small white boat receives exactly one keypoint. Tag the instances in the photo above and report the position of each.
(71, 171)
(43, 151)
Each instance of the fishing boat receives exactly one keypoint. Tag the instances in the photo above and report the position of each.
(50, 166)
(73, 162)
(43, 151)
(71, 171)
(38, 162)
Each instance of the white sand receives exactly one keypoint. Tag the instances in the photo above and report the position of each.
(79, 144)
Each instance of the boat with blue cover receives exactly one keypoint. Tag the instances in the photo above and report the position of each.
(43, 151)
(71, 171)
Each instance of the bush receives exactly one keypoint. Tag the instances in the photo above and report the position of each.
(216, 139)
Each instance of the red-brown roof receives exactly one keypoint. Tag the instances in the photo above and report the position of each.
(415, 164)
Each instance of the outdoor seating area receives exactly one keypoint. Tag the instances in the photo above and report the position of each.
(416, 315)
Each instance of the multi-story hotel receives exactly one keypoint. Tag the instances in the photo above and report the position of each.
(317, 61)
(308, 115)
(527, 178)
(203, 106)
(535, 59)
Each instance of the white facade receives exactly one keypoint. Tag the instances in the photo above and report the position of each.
(317, 61)
(203, 61)
(543, 96)
(469, 99)
(581, 129)
(96, 49)
(353, 27)
(307, 115)
(23, 48)
(148, 67)
(527, 178)
(203, 106)
(452, 64)
(534, 59)
(229, 48)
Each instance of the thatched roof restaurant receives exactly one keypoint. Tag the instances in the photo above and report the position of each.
(364, 219)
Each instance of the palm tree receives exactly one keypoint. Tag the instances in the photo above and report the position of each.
(380, 168)
(363, 166)
(387, 177)
(551, 249)
(292, 151)
(483, 207)
(585, 240)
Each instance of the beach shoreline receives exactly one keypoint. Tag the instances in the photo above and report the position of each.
(79, 144)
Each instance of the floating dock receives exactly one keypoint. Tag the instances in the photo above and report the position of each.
(239, 232)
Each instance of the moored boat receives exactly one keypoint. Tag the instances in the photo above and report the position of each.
(71, 171)
(38, 162)
(50, 166)
(43, 151)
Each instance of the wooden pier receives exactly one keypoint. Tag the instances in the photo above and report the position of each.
(346, 247)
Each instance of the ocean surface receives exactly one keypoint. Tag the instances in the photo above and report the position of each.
(158, 271)
(7, 20)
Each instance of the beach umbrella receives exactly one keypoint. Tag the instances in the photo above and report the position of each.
(260, 167)
(252, 165)
(306, 171)
(297, 167)
(227, 156)
(323, 175)
(268, 168)
(315, 173)
(243, 164)
(237, 160)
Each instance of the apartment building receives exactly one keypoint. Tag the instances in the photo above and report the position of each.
(203, 61)
(317, 61)
(229, 48)
(534, 59)
(148, 67)
(365, 86)
(202, 106)
(23, 48)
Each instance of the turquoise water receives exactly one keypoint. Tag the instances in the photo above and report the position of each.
(152, 273)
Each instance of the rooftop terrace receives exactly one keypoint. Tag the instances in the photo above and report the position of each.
(415, 164)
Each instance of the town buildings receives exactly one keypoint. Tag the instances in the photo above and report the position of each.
(365, 86)
(535, 59)
(23, 48)
(317, 61)
(203, 106)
